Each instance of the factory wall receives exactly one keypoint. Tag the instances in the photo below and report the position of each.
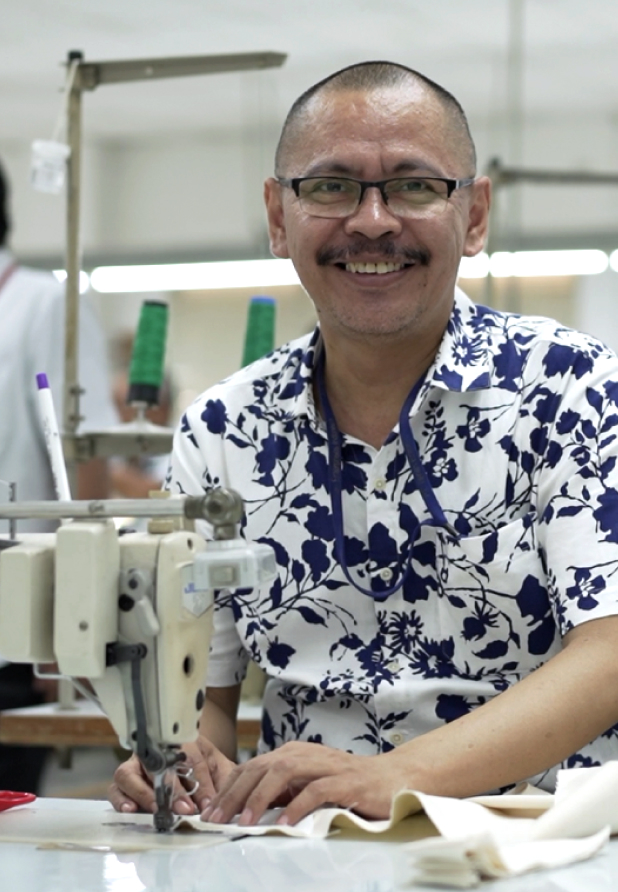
(199, 195)
(196, 196)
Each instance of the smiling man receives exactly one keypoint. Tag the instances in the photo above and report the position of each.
(437, 479)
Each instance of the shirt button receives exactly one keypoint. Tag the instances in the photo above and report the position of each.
(380, 483)
(386, 574)
(393, 666)
(397, 738)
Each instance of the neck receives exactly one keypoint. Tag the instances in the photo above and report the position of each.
(367, 387)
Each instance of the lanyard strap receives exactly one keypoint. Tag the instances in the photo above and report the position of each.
(6, 275)
(335, 464)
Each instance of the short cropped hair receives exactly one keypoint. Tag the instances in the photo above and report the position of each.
(367, 76)
(4, 210)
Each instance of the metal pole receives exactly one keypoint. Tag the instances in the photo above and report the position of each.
(48, 510)
(515, 133)
(71, 415)
(70, 403)
(212, 506)
(503, 175)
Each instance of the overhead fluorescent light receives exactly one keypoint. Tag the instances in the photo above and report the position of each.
(84, 279)
(613, 260)
(475, 267)
(548, 263)
(270, 273)
(194, 276)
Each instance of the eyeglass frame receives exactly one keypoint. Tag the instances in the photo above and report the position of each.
(451, 185)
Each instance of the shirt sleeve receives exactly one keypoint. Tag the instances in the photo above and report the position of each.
(578, 492)
(228, 659)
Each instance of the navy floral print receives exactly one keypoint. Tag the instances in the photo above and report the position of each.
(516, 424)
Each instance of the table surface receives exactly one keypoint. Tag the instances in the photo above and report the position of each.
(268, 864)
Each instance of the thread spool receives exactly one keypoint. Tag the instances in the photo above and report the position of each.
(148, 356)
(260, 331)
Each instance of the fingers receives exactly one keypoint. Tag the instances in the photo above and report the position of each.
(207, 772)
(131, 789)
(202, 775)
(305, 777)
(210, 770)
(254, 786)
(232, 797)
(182, 798)
(334, 791)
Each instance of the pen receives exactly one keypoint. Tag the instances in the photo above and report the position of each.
(52, 439)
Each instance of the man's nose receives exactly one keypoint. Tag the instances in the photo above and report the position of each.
(373, 218)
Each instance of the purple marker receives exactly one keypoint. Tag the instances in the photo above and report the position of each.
(52, 439)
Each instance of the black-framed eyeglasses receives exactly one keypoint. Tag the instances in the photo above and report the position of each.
(404, 196)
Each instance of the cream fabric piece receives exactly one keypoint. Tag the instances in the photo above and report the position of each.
(482, 837)
(577, 826)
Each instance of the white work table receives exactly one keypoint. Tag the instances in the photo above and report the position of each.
(342, 863)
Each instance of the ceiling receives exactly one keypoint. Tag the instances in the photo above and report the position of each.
(569, 57)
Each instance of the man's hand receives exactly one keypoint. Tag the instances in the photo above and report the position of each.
(132, 788)
(304, 776)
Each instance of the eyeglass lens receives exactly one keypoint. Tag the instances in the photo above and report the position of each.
(338, 197)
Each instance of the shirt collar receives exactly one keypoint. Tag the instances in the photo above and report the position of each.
(294, 381)
(462, 362)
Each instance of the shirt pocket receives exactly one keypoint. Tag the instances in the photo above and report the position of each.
(495, 612)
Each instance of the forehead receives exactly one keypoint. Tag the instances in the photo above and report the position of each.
(386, 130)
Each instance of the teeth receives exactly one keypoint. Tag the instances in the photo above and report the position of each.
(379, 268)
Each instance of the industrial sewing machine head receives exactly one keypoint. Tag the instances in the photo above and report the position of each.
(130, 613)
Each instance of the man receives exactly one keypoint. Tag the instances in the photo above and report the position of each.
(32, 341)
(438, 481)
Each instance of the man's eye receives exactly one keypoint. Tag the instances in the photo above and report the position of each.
(413, 186)
(332, 187)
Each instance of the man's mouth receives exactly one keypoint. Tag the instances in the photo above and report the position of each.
(379, 268)
(380, 258)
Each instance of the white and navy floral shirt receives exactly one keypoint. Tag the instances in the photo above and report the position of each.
(516, 424)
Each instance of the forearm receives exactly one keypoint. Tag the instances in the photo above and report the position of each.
(538, 722)
(218, 719)
(93, 479)
(131, 483)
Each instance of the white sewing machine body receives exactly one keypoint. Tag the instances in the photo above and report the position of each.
(72, 596)
(131, 613)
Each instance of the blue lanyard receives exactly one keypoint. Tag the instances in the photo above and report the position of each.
(335, 463)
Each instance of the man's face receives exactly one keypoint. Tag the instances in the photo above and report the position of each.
(390, 132)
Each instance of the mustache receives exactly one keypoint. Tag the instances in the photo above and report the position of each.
(387, 250)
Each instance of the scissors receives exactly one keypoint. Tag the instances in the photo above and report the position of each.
(8, 799)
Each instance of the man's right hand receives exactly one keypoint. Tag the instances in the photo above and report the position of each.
(132, 790)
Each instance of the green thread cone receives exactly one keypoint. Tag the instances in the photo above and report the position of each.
(260, 331)
(148, 357)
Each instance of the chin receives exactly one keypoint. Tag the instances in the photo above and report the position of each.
(388, 330)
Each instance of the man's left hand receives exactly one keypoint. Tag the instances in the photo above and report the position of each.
(304, 776)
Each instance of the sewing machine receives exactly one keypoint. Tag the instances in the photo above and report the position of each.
(130, 613)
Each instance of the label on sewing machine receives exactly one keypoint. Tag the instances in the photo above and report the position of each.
(196, 602)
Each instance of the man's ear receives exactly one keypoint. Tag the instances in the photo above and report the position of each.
(276, 223)
(478, 217)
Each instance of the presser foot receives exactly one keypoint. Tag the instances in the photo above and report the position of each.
(164, 820)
